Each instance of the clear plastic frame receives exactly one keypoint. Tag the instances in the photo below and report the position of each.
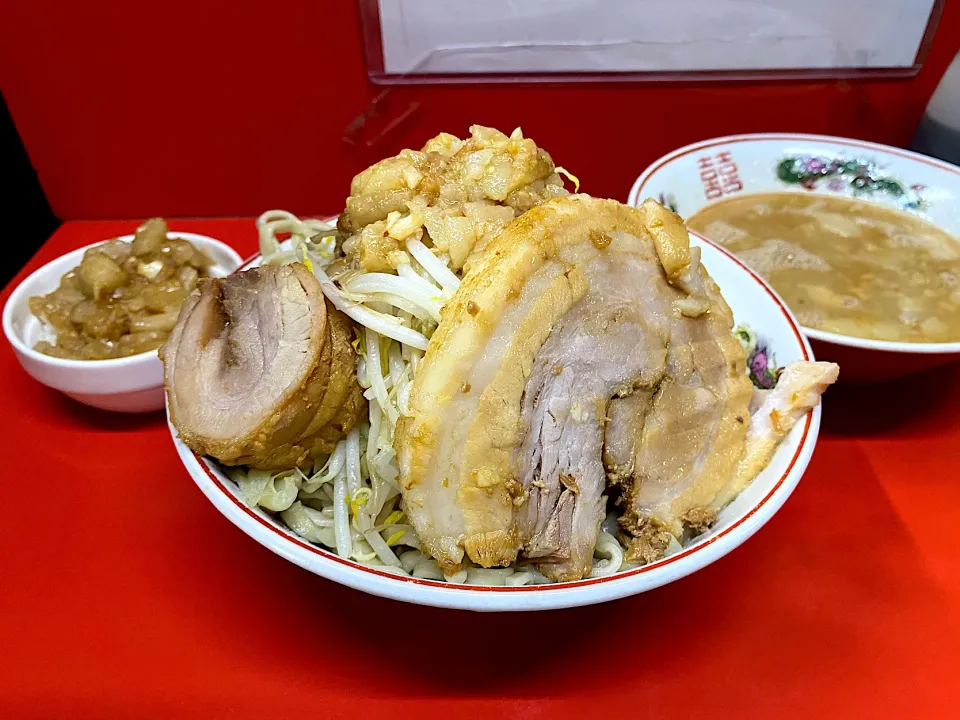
(468, 41)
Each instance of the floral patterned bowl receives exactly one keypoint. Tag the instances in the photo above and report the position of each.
(706, 172)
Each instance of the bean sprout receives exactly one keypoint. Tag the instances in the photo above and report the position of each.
(429, 262)
(341, 517)
(353, 461)
(381, 549)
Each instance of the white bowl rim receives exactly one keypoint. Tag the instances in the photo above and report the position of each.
(528, 597)
(822, 335)
(21, 347)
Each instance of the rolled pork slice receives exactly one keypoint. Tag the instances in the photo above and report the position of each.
(260, 370)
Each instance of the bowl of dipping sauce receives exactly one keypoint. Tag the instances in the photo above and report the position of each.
(89, 323)
(859, 239)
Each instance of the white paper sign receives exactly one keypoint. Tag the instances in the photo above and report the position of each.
(570, 36)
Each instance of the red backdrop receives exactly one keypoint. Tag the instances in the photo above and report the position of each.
(201, 108)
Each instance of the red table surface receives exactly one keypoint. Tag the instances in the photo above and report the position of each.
(124, 593)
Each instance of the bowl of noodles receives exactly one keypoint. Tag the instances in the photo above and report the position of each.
(860, 239)
(480, 389)
(342, 518)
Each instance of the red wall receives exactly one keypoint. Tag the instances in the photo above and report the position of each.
(204, 108)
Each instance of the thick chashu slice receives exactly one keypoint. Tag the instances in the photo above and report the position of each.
(611, 344)
(455, 449)
(772, 414)
(575, 303)
(260, 371)
(679, 452)
(656, 332)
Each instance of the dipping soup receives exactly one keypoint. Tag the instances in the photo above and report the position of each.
(845, 266)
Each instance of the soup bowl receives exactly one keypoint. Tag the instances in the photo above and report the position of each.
(698, 175)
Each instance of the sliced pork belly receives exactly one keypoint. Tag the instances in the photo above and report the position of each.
(693, 432)
(260, 371)
(585, 322)
(611, 343)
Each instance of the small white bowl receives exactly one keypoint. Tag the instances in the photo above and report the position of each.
(132, 384)
(753, 302)
(706, 172)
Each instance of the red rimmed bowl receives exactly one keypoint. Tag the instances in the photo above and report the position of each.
(753, 303)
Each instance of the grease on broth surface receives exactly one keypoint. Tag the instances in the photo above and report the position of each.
(845, 266)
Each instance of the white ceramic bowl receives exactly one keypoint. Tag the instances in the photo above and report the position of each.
(753, 302)
(706, 172)
(131, 384)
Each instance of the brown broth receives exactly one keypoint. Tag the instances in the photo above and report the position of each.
(845, 266)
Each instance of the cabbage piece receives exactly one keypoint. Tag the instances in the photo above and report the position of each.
(273, 491)
(310, 524)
